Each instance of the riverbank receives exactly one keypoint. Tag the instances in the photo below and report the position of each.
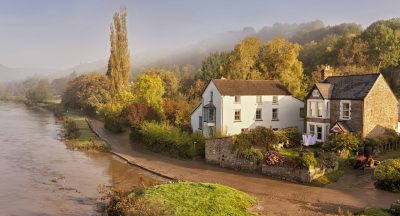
(275, 197)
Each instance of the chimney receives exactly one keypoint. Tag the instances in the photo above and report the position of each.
(326, 72)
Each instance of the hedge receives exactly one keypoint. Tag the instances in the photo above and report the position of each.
(387, 175)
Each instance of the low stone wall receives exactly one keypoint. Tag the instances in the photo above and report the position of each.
(219, 151)
(289, 173)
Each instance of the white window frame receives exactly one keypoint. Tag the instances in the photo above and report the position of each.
(277, 114)
(260, 116)
(275, 99)
(315, 93)
(342, 117)
(313, 130)
(237, 99)
(320, 109)
(258, 99)
(234, 115)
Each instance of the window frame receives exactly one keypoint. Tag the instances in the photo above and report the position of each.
(313, 129)
(259, 99)
(342, 110)
(320, 109)
(200, 123)
(275, 118)
(259, 115)
(240, 115)
(275, 99)
(237, 99)
(319, 133)
(315, 93)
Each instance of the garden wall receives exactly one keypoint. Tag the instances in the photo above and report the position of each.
(292, 174)
(219, 151)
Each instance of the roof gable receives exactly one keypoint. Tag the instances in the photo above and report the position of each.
(351, 87)
(250, 87)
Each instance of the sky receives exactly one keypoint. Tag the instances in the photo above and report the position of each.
(62, 33)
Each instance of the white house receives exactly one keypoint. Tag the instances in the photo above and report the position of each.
(231, 106)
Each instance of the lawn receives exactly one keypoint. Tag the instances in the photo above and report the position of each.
(187, 198)
(375, 212)
(86, 140)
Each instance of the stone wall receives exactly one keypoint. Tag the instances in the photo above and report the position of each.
(289, 173)
(219, 151)
(381, 109)
(356, 116)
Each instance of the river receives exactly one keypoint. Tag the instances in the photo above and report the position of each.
(40, 176)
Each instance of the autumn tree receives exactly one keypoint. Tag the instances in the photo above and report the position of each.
(214, 66)
(177, 112)
(242, 60)
(119, 65)
(170, 82)
(279, 60)
(136, 113)
(149, 89)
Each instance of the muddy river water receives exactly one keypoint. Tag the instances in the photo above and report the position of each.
(40, 176)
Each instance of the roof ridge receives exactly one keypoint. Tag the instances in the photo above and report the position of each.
(377, 73)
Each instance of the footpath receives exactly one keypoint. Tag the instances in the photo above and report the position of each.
(355, 192)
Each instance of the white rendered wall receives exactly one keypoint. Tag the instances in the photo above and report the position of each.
(194, 118)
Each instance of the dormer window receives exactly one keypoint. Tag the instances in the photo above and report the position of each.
(315, 93)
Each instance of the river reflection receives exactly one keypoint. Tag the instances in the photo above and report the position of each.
(40, 176)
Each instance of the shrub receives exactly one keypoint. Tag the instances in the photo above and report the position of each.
(199, 141)
(242, 142)
(293, 135)
(136, 113)
(387, 175)
(347, 141)
(263, 137)
(253, 154)
(167, 139)
(72, 130)
(328, 160)
(282, 138)
(306, 160)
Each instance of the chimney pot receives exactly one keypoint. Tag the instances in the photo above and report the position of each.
(326, 72)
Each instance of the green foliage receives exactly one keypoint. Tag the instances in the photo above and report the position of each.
(167, 139)
(199, 143)
(256, 137)
(214, 66)
(71, 129)
(119, 63)
(188, 199)
(169, 80)
(89, 92)
(387, 175)
(347, 141)
(306, 160)
(375, 212)
(253, 154)
(293, 135)
(149, 89)
(38, 92)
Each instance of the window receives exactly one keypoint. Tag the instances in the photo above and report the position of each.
(319, 109)
(237, 99)
(312, 109)
(211, 115)
(211, 96)
(274, 99)
(200, 122)
(319, 132)
(275, 114)
(237, 115)
(259, 114)
(312, 129)
(315, 93)
(258, 99)
(345, 112)
(301, 113)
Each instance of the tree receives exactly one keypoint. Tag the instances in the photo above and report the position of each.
(170, 82)
(177, 112)
(278, 60)
(137, 113)
(214, 66)
(119, 65)
(196, 90)
(38, 92)
(243, 59)
(89, 92)
(149, 89)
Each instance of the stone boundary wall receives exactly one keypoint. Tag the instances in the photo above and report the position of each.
(288, 173)
(219, 151)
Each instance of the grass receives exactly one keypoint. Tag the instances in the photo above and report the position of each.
(327, 178)
(187, 198)
(375, 212)
(87, 139)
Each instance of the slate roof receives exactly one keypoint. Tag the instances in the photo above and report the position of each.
(352, 87)
(343, 126)
(250, 87)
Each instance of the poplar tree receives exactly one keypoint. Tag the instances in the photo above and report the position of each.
(119, 65)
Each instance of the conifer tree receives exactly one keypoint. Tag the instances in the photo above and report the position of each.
(119, 65)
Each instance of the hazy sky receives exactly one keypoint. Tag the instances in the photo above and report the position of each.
(59, 34)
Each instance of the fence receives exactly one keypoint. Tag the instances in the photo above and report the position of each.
(388, 146)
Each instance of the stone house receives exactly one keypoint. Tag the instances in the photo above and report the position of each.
(231, 106)
(363, 104)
